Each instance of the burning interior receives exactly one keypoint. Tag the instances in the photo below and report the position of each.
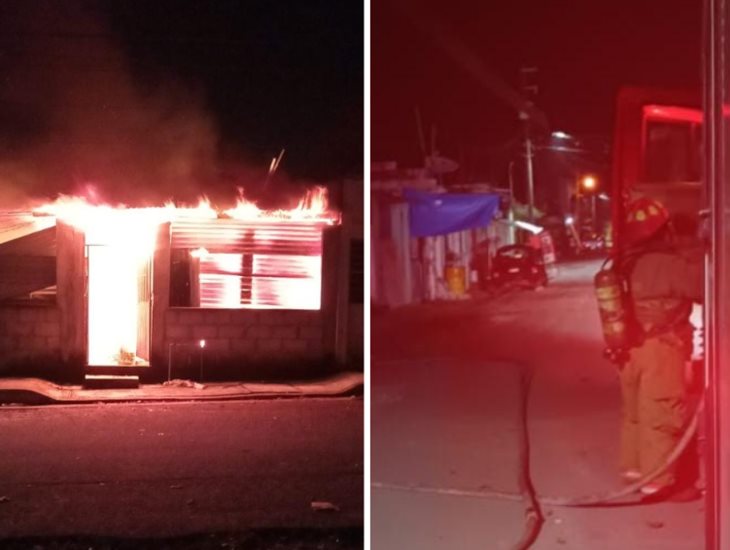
(116, 264)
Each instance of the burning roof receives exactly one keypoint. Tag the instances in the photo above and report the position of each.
(85, 215)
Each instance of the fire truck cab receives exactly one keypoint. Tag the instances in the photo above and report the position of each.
(657, 151)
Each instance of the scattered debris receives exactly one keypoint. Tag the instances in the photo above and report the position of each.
(324, 506)
(178, 383)
(558, 521)
(190, 501)
(175, 486)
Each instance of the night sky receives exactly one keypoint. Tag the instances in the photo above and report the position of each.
(170, 97)
(278, 74)
(583, 51)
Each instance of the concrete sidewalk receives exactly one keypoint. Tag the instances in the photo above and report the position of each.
(36, 391)
(444, 415)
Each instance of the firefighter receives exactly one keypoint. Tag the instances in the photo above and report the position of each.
(662, 282)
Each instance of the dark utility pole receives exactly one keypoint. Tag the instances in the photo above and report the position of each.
(529, 89)
(717, 280)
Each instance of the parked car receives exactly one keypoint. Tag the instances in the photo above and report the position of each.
(592, 241)
(519, 265)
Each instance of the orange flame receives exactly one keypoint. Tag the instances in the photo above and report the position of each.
(312, 207)
(199, 253)
(120, 243)
(83, 214)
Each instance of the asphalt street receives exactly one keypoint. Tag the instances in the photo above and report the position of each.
(445, 394)
(165, 470)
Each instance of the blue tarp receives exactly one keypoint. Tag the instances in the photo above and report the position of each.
(440, 213)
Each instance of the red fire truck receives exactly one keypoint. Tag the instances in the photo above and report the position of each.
(667, 147)
(657, 152)
(675, 147)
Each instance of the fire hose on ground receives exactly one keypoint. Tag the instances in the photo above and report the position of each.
(533, 514)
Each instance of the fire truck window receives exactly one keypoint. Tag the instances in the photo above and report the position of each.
(671, 153)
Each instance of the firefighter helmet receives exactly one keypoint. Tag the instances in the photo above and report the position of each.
(644, 218)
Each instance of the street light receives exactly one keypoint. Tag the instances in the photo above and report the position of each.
(589, 183)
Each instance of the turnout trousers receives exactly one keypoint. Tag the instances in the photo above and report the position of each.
(654, 405)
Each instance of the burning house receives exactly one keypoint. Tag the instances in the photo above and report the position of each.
(178, 291)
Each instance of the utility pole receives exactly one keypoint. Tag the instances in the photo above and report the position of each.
(528, 169)
(511, 215)
(594, 213)
(529, 89)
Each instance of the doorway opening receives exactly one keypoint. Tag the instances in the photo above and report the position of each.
(118, 305)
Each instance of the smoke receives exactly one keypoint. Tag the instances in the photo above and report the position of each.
(74, 120)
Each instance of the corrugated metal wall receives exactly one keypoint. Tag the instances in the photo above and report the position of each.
(249, 237)
(255, 264)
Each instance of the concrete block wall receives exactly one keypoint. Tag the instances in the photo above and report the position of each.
(29, 334)
(356, 334)
(245, 336)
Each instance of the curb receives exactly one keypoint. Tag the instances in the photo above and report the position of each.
(34, 391)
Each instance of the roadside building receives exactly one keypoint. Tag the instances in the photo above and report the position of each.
(158, 292)
(416, 258)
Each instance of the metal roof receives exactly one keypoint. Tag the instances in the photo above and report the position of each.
(16, 225)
